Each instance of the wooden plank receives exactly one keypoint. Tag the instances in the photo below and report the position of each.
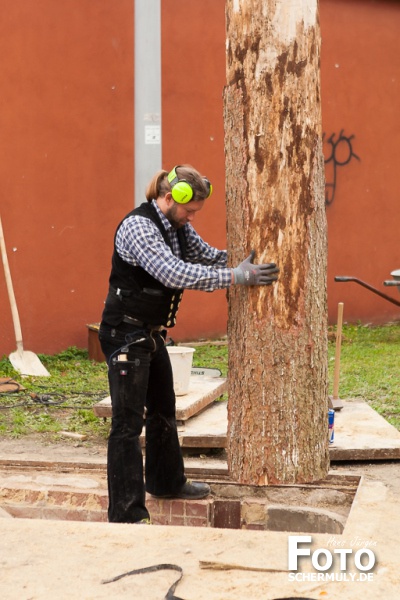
(202, 392)
(360, 432)
(206, 430)
(208, 466)
(103, 408)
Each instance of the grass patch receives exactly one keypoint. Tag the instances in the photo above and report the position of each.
(213, 356)
(62, 402)
(369, 370)
(370, 367)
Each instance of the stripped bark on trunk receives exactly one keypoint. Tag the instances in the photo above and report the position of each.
(277, 415)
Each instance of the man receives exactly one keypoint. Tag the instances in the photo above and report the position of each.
(157, 254)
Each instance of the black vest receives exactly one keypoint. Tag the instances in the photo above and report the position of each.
(135, 293)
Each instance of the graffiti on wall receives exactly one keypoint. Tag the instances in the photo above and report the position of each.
(338, 153)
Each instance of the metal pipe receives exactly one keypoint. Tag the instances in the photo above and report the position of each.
(369, 287)
(147, 84)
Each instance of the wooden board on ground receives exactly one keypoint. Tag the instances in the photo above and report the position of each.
(360, 432)
(206, 430)
(202, 392)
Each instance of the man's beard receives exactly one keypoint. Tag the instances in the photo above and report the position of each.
(171, 216)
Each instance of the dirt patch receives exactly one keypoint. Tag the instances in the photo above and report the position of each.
(37, 447)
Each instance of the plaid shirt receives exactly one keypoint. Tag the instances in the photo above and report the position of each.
(140, 243)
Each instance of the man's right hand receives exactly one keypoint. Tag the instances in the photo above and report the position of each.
(248, 273)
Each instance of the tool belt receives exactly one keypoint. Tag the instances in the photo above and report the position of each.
(150, 308)
(137, 323)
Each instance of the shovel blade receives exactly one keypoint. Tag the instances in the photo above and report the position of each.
(28, 363)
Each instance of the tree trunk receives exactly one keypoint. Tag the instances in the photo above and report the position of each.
(278, 397)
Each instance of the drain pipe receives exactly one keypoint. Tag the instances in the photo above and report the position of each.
(147, 78)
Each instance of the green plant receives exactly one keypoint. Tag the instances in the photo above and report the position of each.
(62, 402)
(369, 369)
(213, 356)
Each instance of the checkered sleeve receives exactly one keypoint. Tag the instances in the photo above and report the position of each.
(140, 243)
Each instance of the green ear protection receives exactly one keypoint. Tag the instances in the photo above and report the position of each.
(181, 190)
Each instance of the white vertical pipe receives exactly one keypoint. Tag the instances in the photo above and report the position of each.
(147, 77)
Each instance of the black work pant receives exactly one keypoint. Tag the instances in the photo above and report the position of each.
(143, 380)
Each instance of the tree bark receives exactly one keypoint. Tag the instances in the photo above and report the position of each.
(278, 397)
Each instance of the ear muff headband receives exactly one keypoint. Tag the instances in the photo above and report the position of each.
(209, 185)
(181, 190)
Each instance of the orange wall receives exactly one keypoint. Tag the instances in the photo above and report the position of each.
(360, 74)
(67, 154)
(66, 160)
(193, 68)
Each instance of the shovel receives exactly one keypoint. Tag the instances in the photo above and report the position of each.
(27, 363)
(334, 400)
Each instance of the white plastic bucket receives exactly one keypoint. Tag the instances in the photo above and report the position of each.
(181, 361)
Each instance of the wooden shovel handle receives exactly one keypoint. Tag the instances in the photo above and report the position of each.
(10, 290)
(337, 351)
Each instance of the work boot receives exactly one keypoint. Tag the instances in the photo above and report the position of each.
(191, 490)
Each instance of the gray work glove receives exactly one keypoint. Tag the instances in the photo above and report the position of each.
(248, 274)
